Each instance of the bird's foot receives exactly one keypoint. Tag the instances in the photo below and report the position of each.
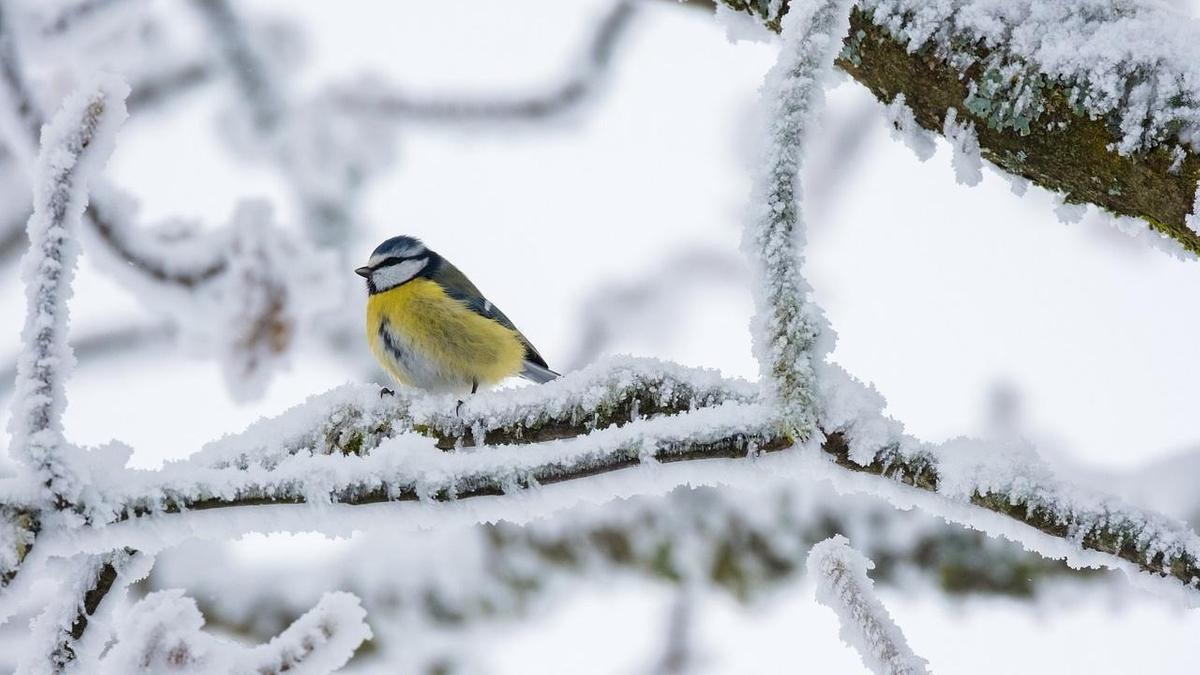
(384, 391)
(458, 409)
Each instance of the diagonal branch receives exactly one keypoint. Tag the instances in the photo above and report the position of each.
(351, 448)
(1053, 99)
(59, 629)
(840, 574)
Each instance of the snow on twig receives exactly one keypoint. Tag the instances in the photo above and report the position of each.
(321, 641)
(410, 468)
(382, 100)
(1006, 479)
(842, 584)
(74, 148)
(906, 129)
(787, 327)
(967, 162)
(60, 633)
(162, 634)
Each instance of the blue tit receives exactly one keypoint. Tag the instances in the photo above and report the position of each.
(432, 329)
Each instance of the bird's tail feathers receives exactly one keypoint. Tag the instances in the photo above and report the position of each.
(539, 374)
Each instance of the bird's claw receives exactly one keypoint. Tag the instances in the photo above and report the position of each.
(384, 391)
(458, 409)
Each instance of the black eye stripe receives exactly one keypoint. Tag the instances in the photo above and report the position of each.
(387, 262)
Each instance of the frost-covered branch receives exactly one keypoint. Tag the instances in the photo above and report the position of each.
(350, 447)
(86, 582)
(747, 543)
(382, 100)
(74, 148)
(162, 634)
(840, 575)
(787, 326)
(168, 263)
(1096, 99)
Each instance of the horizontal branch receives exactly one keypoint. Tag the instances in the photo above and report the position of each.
(728, 431)
(1065, 131)
(350, 447)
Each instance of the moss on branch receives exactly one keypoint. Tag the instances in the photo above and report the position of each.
(1115, 531)
(1058, 147)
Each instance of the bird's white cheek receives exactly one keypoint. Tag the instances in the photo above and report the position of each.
(394, 275)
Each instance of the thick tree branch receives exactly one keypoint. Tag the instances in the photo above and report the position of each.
(252, 470)
(1052, 140)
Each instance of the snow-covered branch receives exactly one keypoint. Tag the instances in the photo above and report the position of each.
(840, 575)
(787, 332)
(162, 634)
(86, 583)
(351, 447)
(1096, 99)
(74, 148)
(377, 99)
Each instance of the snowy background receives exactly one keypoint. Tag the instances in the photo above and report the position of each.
(614, 228)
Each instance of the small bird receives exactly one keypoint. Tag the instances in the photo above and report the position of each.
(432, 329)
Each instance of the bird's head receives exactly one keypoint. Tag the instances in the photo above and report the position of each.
(394, 262)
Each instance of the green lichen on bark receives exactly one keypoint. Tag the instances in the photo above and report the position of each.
(1049, 141)
(1107, 531)
(24, 525)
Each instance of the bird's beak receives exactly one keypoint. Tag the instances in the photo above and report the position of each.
(364, 272)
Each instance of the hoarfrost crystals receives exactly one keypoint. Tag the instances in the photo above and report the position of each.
(905, 128)
(787, 328)
(1132, 61)
(162, 634)
(968, 164)
(75, 145)
(842, 584)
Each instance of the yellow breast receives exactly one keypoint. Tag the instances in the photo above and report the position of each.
(427, 339)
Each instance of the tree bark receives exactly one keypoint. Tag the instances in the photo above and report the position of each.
(1065, 150)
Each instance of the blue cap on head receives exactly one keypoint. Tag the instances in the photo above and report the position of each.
(398, 247)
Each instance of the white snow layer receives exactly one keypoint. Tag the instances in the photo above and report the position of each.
(842, 584)
(906, 129)
(967, 162)
(74, 147)
(787, 327)
(162, 634)
(1136, 62)
(1193, 220)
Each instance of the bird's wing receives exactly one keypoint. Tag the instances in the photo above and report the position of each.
(459, 287)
